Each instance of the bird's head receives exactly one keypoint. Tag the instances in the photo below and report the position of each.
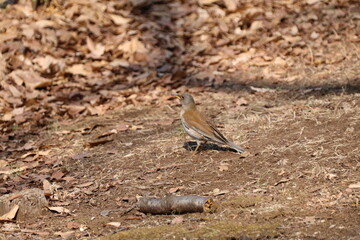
(186, 100)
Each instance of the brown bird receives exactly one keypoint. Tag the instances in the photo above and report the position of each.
(198, 127)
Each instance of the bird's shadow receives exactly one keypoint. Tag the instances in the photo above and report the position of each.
(191, 146)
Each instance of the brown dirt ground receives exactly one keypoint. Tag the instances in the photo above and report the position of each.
(304, 153)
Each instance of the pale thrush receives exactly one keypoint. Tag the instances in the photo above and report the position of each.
(198, 127)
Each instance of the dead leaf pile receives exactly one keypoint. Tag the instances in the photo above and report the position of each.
(84, 58)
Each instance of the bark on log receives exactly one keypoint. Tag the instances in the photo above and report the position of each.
(176, 204)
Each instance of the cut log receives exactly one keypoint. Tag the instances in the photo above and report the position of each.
(176, 204)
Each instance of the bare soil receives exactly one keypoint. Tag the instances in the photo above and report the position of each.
(304, 150)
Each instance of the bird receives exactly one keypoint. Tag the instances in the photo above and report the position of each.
(197, 126)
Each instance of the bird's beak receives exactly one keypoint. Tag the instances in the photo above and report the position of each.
(178, 96)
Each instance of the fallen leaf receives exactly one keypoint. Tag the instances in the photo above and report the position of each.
(134, 218)
(122, 127)
(8, 172)
(177, 220)
(74, 110)
(223, 167)
(44, 153)
(68, 179)
(311, 2)
(206, 2)
(27, 155)
(87, 184)
(113, 224)
(231, 5)
(97, 143)
(8, 35)
(310, 219)
(262, 90)
(44, 23)
(31, 79)
(15, 196)
(3, 163)
(106, 134)
(119, 20)
(175, 189)
(242, 102)
(244, 57)
(11, 214)
(97, 50)
(279, 61)
(355, 185)
(45, 62)
(57, 175)
(78, 69)
(244, 154)
(65, 235)
(137, 127)
(73, 225)
(166, 122)
(217, 192)
(47, 188)
(59, 209)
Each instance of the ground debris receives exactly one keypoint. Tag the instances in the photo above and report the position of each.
(176, 204)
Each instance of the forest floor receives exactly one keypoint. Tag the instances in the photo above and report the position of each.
(95, 148)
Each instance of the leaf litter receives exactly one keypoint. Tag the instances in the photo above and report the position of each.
(78, 59)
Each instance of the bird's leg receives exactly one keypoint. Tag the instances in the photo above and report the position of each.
(199, 146)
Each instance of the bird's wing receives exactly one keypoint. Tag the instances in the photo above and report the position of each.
(196, 121)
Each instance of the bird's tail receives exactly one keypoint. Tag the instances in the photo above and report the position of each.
(236, 147)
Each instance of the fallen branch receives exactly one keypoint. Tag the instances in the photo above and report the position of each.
(176, 204)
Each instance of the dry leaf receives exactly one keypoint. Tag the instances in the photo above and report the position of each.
(11, 171)
(97, 50)
(206, 2)
(223, 167)
(8, 35)
(59, 209)
(44, 153)
(354, 185)
(47, 188)
(45, 62)
(231, 5)
(119, 20)
(65, 235)
(133, 46)
(244, 57)
(166, 122)
(97, 143)
(113, 224)
(175, 189)
(31, 79)
(262, 90)
(3, 163)
(78, 69)
(11, 214)
(217, 192)
(57, 175)
(177, 220)
(244, 154)
(87, 184)
(73, 225)
(242, 102)
(121, 127)
(44, 23)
